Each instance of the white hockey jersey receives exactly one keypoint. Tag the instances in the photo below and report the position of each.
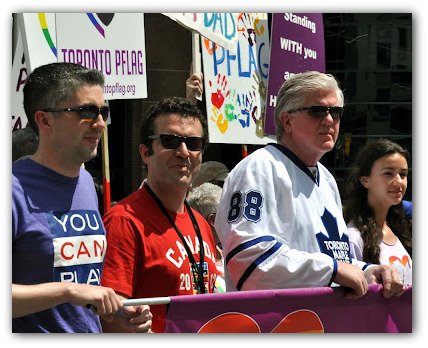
(279, 226)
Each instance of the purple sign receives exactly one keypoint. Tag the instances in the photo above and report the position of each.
(316, 310)
(297, 45)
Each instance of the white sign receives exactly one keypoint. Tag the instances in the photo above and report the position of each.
(220, 28)
(39, 38)
(113, 43)
(19, 77)
(236, 84)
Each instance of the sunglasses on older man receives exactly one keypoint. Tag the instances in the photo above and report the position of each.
(320, 111)
(172, 141)
(86, 112)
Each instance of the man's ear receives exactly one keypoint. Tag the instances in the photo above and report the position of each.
(44, 121)
(364, 180)
(285, 118)
(211, 219)
(144, 152)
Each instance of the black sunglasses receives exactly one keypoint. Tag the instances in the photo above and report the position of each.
(320, 111)
(172, 142)
(86, 112)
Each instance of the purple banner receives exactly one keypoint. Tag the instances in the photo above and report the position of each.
(314, 310)
(297, 45)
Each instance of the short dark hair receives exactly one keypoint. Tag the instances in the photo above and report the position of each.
(24, 143)
(171, 105)
(52, 84)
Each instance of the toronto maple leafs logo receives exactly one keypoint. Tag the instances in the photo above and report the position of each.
(335, 246)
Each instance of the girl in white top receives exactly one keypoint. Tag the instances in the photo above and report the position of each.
(377, 228)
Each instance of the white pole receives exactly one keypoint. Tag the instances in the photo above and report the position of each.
(146, 301)
(196, 57)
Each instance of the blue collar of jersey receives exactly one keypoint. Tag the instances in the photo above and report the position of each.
(297, 161)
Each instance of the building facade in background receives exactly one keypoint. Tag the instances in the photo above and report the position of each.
(369, 53)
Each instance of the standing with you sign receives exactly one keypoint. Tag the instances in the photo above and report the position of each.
(297, 46)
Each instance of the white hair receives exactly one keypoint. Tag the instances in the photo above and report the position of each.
(205, 198)
(293, 93)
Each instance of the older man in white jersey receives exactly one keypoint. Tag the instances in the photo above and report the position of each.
(280, 217)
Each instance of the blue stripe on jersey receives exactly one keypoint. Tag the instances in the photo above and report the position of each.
(255, 264)
(248, 244)
(334, 271)
(366, 265)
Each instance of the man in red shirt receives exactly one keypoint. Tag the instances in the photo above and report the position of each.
(158, 245)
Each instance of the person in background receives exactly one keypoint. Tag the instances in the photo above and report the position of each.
(205, 199)
(280, 218)
(377, 227)
(213, 172)
(194, 85)
(158, 245)
(24, 143)
(408, 208)
(58, 239)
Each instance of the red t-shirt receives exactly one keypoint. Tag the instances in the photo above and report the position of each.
(145, 256)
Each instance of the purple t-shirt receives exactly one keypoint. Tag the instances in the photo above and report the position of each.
(57, 236)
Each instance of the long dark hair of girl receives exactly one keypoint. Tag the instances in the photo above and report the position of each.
(357, 209)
